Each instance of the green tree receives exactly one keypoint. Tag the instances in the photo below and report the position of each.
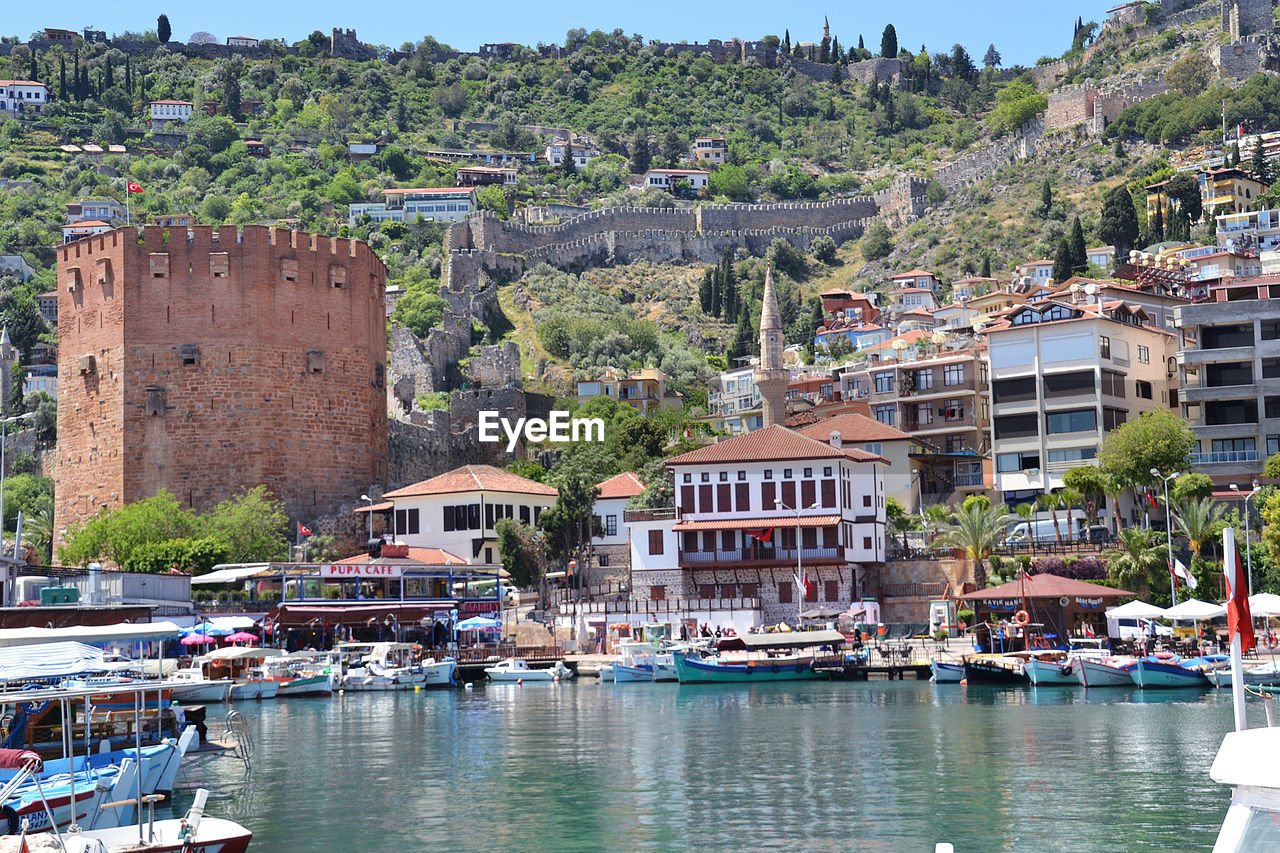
(1190, 486)
(1157, 439)
(1046, 198)
(899, 520)
(1137, 561)
(731, 182)
(25, 493)
(1079, 254)
(1090, 482)
(114, 534)
(523, 555)
(1118, 223)
(1184, 190)
(571, 524)
(976, 528)
(876, 242)
(1027, 512)
(1053, 502)
(231, 90)
(193, 556)
(421, 308)
(1260, 166)
(38, 529)
(1062, 262)
(163, 30)
(992, 58)
(1190, 75)
(567, 165)
(641, 155)
(889, 42)
(253, 526)
(1199, 520)
(491, 197)
(214, 132)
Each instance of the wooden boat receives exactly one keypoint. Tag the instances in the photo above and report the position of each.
(764, 662)
(1166, 672)
(636, 663)
(994, 669)
(62, 800)
(1046, 668)
(516, 670)
(1104, 672)
(190, 686)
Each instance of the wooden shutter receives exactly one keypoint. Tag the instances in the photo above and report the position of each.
(789, 494)
(724, 497)
(704, 499)
(768, 494)
(833, 590)
(655, 541)
(828, 493)
(784, 592)
(686, 500)
(743, 497)
(808, 493)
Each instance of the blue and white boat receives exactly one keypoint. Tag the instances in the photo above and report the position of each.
(946, 672)
(1169, 672)
(636, 663)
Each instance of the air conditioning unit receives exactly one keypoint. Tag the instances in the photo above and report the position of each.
(88, 364)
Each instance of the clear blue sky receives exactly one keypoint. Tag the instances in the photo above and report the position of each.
(1022, 31)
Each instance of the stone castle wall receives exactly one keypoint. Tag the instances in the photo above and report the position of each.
(1242, 59)
(212, 364)
(981, 164)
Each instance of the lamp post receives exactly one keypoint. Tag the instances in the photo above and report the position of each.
(1168, 530)
(1248, 523)
(799, 554)
(370, 500)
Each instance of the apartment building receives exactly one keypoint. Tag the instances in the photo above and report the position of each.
(1254, 229)
(709, 149)
(1063, 374)
(431, 204)
(644, 390)
(733, 401)
(1229, 364)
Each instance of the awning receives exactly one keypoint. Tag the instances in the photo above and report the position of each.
(1046, 586)
(759, 523)
(49, 660)
(231, 574)
(792, 639)
(317, 615)
(243, 653)
(383, 507)
(124, 632)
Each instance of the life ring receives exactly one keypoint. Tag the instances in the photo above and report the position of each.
(774, 668)
(1022, 618)
(1064, 601)
(1270, 642)
(8, 813)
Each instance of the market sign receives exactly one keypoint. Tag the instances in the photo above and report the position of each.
(359, 571)
(476, 606)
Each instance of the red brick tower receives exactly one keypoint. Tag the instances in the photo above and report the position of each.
(208, 362)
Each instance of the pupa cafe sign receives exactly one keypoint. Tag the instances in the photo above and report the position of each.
(361, 571)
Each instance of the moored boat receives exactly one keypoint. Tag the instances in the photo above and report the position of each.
(1046, 669)
(994, 669)
(1104, 672)
(1153, 672)
(946, 672)
(1266, 675)
(765, 660)
(515, 669)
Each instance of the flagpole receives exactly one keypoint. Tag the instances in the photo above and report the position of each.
(1232, 560)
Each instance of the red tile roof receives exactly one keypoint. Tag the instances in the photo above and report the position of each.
(911, 274)
(430, 556)
(87, 223)
(771, 444)
(624, 485)
(474, 478)
(180, 103)
(908, 338)
(398, 191)
(854, 428)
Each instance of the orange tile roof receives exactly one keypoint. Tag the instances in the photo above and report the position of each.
(474, 478)
(430, 556)
(854, 428)
(910, 274)
(87, 223)
(771, 444)
(909, 338)
(624, 485)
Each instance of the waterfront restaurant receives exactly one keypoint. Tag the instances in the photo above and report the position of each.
(1063, 606)
(400, 592)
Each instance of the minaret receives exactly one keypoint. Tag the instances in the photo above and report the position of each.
(8, 358)
(826, 27)
(771, 377)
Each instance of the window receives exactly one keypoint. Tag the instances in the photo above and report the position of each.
(953, 374)
(952, 410)
(866, 543)
(828, 493)
(786, 473)
(1009, 462)
(1104, 346)
(924, 380)
(610, 524)
(1273, 445)
(1270, 330)
(742, 475)
(1017, 426)
(1021, 390)
(1112, 383)
(885, 414)
(1144, 355)
(826, 471)
(1113, 418)
(1072, 454)
(706, 477)
(1068, 384)
(808, 473)
(875, 447)
(1080, 420)
(884, 382)
(657, 593)
(1233, 445)
(866, 500)
(742, 496)
(784, 592)
(604, 561)
(450, 519)
(524, 514)
(1230, 373)
(924, 414)
(768, 473)
(655, 541)
(831, 590)
(1219, 337)
(488, 555)
(1142, 388)
(955, 442)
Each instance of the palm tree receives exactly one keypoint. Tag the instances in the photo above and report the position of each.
(1199, 520)
(1135, 561)
(1052, 501)
(38, 530)
(1070, 498)
(976, 531)
(935, 515)
(1113, 490)
(1028, 514)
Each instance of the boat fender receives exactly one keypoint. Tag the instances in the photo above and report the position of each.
(750, 668)
(11, 816)
(1022, 618)
(773, 668)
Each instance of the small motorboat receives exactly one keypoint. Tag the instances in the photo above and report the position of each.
(636, 663)
(946, 672)
(994, 669)
(515, 669)
(605, 672)
(190, 686)
(1104, 672)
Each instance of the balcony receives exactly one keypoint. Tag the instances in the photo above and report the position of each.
(1204, 393)
(968, 480)
(1224, 457)
(1213, 356)
(734, 557)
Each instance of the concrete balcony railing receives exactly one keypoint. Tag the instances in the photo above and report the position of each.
(968, 480)
(1224, 457)
(756, 556)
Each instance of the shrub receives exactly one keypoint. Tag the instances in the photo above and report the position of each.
(823, 249)
(876, 243)
(965, 617)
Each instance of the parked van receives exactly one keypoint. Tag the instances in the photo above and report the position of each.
(1043, 531)
(1136, 629)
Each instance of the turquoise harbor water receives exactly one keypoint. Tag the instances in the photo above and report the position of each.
(892, 766)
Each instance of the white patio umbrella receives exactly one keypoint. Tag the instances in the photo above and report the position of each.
(1195, 610)
(1136, 610)
(1264, 604)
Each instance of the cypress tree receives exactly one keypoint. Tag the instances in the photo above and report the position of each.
(75, 76)
(835, 49)
(786, 42)
(1261, 167)
(567, 165)
(1079, 255)
(861, 45)
(744, 342)
(717, 292)
(1046, 198)
(641, 156)
(62, 77)
(1158, 228)
(986, 265)
(35, 72)
(1062, 263)
(110, 79)
(889, 42)
(705, 290)
(128, 74)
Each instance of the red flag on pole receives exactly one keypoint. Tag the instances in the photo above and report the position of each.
(134, 188)
(1151, 500)
(808, 586)
(763, 535)
(1239, 619)
(303, 530)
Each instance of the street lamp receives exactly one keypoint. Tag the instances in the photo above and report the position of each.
(1248, 523)
(1168, 529)
(799, 554)
(370, 500)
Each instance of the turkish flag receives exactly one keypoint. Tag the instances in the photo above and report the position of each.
(1151, 500)
(763, 535)
(303, 530)
(1239, 619)
(134, 188)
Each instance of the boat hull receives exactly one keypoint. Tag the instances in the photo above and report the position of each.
(606, 672)
(1042, 673)
(439, 674)
(982, 672)
(946, 673)
(1152, 674)
(1096, 674)
(214, 835)
(1265, 675)
(623, 674)
(665, 671)
(312, 685)
(695, 671)
(197, 694)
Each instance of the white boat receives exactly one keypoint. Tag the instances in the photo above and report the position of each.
(946, 672)
(664, 667)
(257, 685)
(1045, 669)
(192, 833)
(515, 669)
(1105, 672)
(636, 663)
(605, 672)
(190, 686)
(623, 674)
(389, 666)
(1267, 674)
(68, 798)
